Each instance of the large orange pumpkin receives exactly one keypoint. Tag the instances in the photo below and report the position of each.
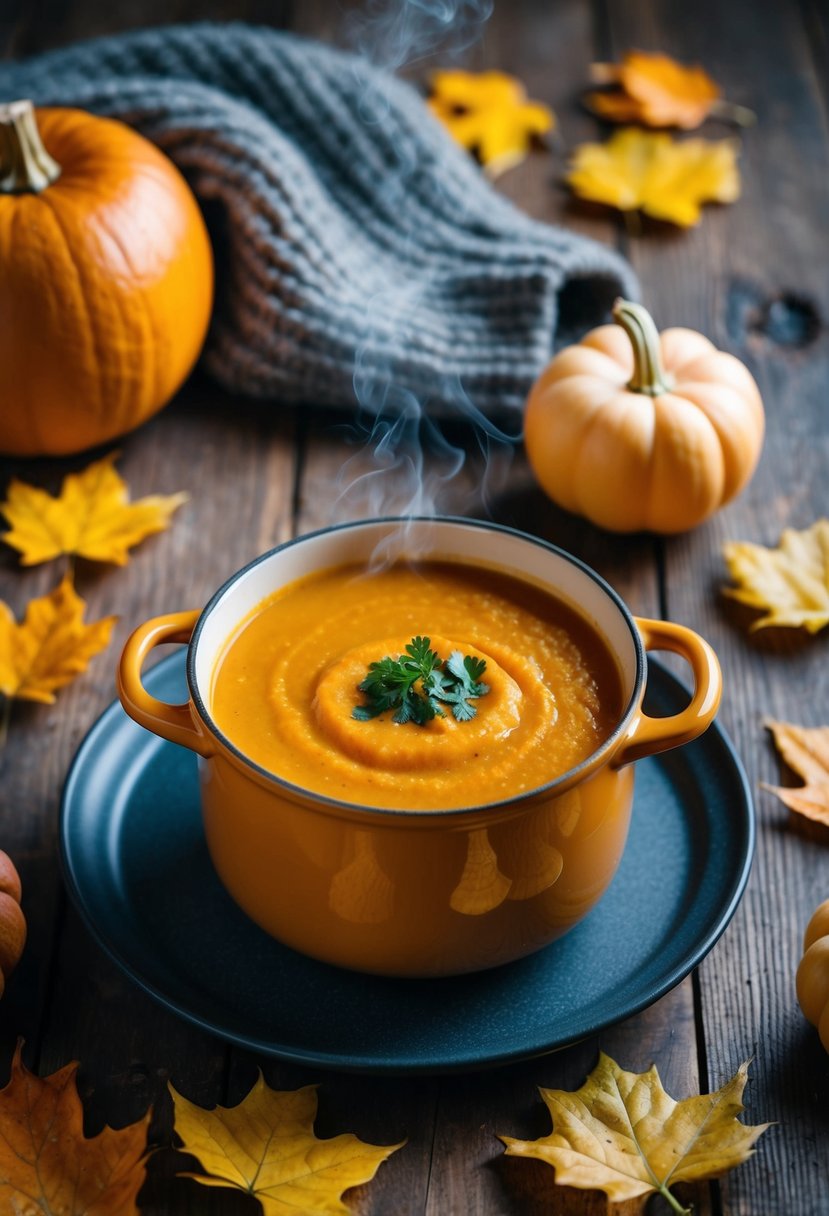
(106, 280)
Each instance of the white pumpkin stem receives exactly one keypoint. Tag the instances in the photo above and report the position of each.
(648, 374)
(25, 165)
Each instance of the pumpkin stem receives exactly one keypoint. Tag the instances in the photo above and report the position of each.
(25, 165)
(648, 374)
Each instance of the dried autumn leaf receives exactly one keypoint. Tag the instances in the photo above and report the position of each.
(806, 751)
(489, 114)
(665, 178)
(266, 1147)
(789, 583)
(654, 90)
(47, 1165)
(50, 646)
(621, 1133)
(91, 517)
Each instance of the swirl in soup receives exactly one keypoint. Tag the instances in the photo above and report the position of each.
(286, 685)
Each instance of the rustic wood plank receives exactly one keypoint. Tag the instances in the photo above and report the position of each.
(816, 18)
(67, 998)
(52, 23)
(240, 482)
(753, 278)
(454, 1155)
(12, 25)
(550, 56)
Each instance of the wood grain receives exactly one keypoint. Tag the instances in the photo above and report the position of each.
(68, 1000)
(467, 1172)
(765, 272)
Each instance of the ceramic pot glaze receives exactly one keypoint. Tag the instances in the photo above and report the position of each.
(423, 892)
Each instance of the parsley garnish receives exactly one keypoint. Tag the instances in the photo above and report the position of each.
(415, 683)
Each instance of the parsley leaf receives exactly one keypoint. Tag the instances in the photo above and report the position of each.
(415, 683)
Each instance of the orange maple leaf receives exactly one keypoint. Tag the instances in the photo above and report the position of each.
(490, 114)
(655, 90)
(46, 1162)
(50, 646)
(92, 516)
(806, 751)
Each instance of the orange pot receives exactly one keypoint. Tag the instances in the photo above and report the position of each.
(418, 893)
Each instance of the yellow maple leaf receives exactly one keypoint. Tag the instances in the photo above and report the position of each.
(46, 1162)
(789, 583)
(666, 178)
(50, 646)
(806, 751)
(489, 113)
(621, 1133)
(91, 517)
(266, 1146)
(655, 90)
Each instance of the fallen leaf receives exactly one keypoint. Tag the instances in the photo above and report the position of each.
(91, 517)
(789, 583)
(50, 646)
(655, 90)
(47, 1165)
(806, 751)
(666, 178)
(489, 114)
(621, 1133)
(266, 1147)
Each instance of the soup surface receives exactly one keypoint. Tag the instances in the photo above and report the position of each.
(286, 685)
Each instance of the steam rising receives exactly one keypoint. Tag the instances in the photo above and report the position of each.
(397, 35)
(410, 462)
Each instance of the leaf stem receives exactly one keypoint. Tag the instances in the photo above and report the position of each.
(5, 716)
(731, 111)
(674, 1202)
(633, 224)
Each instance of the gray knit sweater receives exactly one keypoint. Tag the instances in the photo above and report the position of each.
(358, 249)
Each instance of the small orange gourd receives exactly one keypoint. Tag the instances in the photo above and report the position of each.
(637, 430)
(813, 973)
(12, 921)
(106, 280)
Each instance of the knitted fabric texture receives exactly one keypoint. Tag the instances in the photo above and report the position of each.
(358, 249)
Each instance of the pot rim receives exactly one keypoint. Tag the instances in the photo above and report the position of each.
(323, 802)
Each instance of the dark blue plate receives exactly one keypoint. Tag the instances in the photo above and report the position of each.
(137, 867)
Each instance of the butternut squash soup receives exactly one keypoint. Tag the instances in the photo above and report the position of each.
(421, 687)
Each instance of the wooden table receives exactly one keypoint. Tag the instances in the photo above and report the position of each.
(754, 278)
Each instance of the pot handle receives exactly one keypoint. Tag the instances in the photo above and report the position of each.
(173, 722)
(649, 735)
